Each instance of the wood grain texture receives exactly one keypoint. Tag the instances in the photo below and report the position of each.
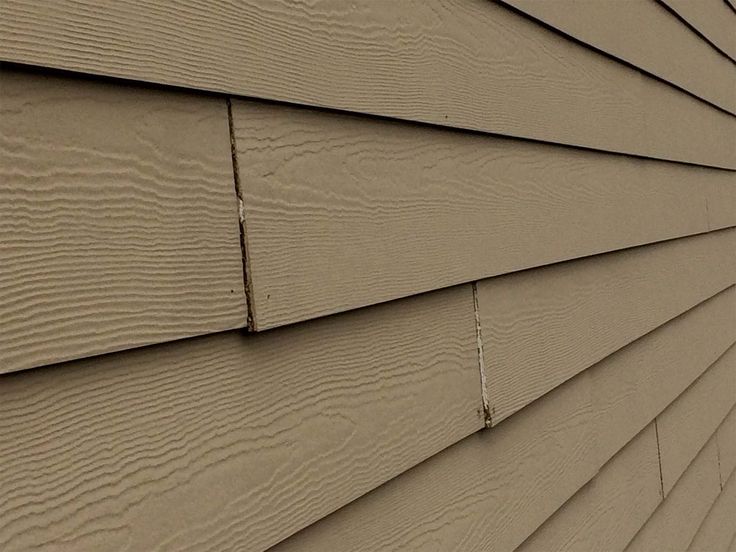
(607, 512)
(543, 326)
(711, 18)
(488, 492)
(462, 63)
(343, 211)
(696, 414)
(118, 218)
(719, 526)
(726, 438)
(636, 383)
(674, 524)
(232, 441)
(644, 34)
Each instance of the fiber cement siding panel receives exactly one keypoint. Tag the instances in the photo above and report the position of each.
(543, 326)
(118, 218)
(233, 442)
(674, 524)
(463, 63)
(713, 19)
(607, 512)
(726, 438)
(646, 35)
(719, 526)
(696, 414)
(343, 211)
(721, 202)
(488, 492)
(636, 383)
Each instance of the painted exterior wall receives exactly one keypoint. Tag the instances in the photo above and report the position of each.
(438, 275)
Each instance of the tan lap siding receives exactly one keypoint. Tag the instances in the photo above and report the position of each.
(543, 326)
(462, 63)
(713, 19)
(691, 419)
(488, 492)
(719, 526)
(633, 385)
(607, 512)
(674, 524)
(231, 441)
(646, 35)
(343, 211)
(727, 445)
(118, 218)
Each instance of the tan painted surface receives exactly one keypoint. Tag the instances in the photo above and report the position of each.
(727, 445)
(343, 211)
(607, 512)
(233, 442)
(696, 414)
(463, 63)
(674, 524)
(721, 200)
(719, 526)
(541, 327)
(118, 218)
(488, 492)
(645, 34)
(712, 18)
(636, 383)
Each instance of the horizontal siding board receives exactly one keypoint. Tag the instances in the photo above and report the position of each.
(719, 526)
(118, 218)
(462, 63)
(543, 326)
(696, 414)
(607, 512)
(233, 441)
(646, 35)
(343, 211)
(711, 18)
(721, 202)
(727, 445)
(488, 492)
(634, 384)
(674, 524)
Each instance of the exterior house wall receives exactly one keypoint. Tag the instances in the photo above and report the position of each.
(437, 275)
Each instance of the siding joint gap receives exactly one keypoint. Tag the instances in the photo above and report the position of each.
(481, 362)
(247, 283)
(718, 456)
(659, 459)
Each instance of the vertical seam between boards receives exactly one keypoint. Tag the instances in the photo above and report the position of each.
(481, 362)
(718, 458)
(247, 283)
(659, 459)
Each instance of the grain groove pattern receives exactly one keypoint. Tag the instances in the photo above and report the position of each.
(690, 420)
(726, 438)
(343, 211)
(462, 63)
(233, 441)
(674, 524)
(608, 511)
(635, 384)
(713, 19)
(488, 492)
(646, 35)
(719, 526)
(118, 218)
(543, 326)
